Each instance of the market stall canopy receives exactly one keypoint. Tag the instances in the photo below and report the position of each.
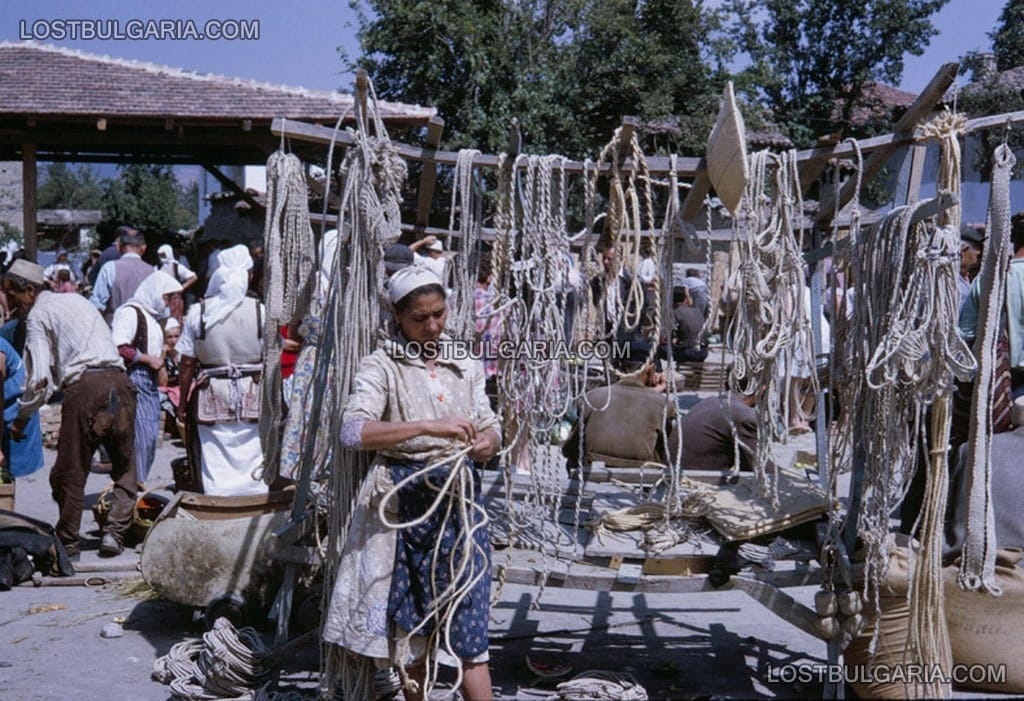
(76, 106)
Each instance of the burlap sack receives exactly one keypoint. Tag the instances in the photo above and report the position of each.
(894, 629)
(988, 630)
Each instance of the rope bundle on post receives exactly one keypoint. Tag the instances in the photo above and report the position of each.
(289, 274)
(371, 177)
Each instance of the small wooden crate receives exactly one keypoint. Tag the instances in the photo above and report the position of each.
(7, 496)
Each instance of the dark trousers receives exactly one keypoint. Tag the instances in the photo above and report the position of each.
(683, 355)
(98, 409)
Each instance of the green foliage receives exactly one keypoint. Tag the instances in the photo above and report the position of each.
(987, 95)
(70, 188)
(8, 233)
(1008, 36)
(568, 70)
(810, 59)
(148, 196)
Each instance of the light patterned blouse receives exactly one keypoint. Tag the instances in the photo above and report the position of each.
(394, 385)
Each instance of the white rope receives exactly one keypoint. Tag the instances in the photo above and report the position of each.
(371, 177)
(977, 565)
(597, 685)
(466, 206)
(771, 325)
(228, 663)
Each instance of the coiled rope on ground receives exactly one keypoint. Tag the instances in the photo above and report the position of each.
(228, 663)
(600, 685)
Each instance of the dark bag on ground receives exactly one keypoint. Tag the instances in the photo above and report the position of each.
(27, 545)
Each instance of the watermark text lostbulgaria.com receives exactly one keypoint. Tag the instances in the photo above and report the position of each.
(140, 29)
(911, 674)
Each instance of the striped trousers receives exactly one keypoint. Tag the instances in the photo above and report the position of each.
(147, 419)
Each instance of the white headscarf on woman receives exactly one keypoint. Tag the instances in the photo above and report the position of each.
(165, 253)
(150, 293)
(228, 284)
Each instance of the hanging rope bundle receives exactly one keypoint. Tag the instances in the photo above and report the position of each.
(929, 638)
(288, 236)
(290, 267)
(371, 177)
(908, 355)
(466, 206)
(977, 568)
(771, 326)
(532, 267)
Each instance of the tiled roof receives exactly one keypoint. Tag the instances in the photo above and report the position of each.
(879, 101)
(49, 80)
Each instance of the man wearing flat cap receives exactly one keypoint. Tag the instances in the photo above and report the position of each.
(68, 347)
(972, 242)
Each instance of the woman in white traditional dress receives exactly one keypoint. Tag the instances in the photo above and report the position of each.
(220, 346)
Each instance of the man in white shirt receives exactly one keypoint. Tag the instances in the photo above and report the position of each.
(61, 263)
(68, 347)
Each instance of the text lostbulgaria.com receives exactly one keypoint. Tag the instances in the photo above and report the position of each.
(993, 674)
(140, 29)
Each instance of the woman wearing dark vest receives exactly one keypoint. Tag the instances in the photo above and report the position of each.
(140, 341)
(220, 346)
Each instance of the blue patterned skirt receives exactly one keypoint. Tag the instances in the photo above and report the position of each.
(428, 556)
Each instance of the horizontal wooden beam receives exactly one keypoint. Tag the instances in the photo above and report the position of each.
(314, 133)
(873, 164)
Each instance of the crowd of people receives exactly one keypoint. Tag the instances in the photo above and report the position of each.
(104, 340)
(154, 340)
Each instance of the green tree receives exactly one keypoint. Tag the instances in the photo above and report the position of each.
(811, 59)
(568, 70)
(1008, 37)
(986, 95)
(70, 188)
(148, 196)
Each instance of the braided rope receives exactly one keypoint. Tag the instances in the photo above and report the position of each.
(977, 567)
(371, 177)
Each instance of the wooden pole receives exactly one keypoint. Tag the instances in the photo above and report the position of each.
(28, 198)
(428, 179)
(917, 111)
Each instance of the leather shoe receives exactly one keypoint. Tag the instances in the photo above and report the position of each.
(110, 546)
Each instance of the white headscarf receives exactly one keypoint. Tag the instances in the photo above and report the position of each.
(165, 253)
(228, 284)
(328, 250)
(410, 278)
(150, 293)
(171, 324)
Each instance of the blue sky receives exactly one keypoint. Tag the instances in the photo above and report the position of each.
(298, 38)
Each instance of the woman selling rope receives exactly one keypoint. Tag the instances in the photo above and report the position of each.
(426, 413)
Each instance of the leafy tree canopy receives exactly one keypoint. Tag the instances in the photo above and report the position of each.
(568, 70)
(809, 60)
(1008, 37)
(70, 188)
(149, 196)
